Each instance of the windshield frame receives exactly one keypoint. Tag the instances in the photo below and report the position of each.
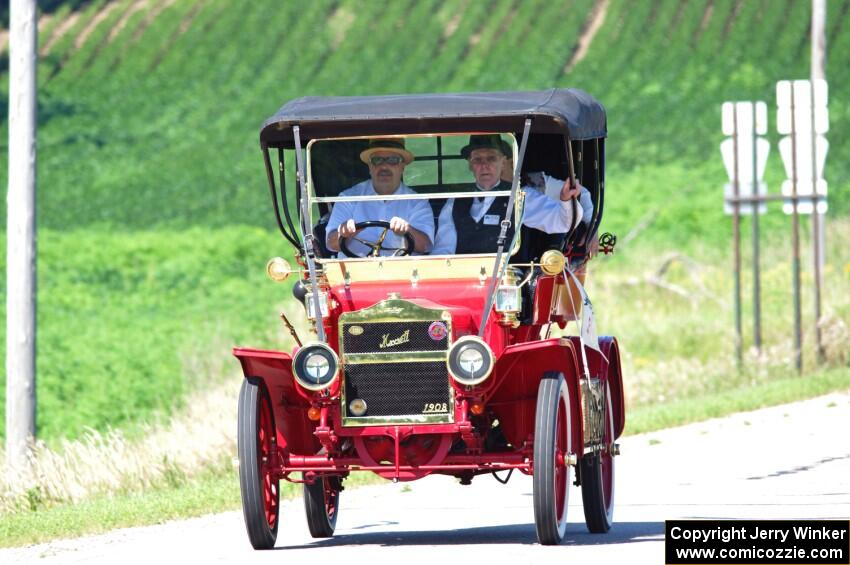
(313, 200)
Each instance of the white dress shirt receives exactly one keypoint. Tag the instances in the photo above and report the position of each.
(541, 212)
(416, 212)
(551, 187)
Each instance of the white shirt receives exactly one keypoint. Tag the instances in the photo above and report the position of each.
(416, 212)
(541, 212)
(551, 187)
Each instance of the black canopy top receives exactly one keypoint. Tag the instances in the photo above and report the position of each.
(565, 111)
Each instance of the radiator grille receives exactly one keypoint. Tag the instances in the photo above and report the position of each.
(396, 336)
(399, 389)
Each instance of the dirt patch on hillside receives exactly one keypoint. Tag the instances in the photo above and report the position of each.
(185, 24)
(150, 17)
(591, 26)
(59, 32)
(136, 6)
(733, 15)
(101, 15)
(339, 22)
(703, 24)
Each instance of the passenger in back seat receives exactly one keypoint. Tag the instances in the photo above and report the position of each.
(469, 225)
(548, 185)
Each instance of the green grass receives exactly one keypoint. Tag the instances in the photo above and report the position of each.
(648, 418)
(131, 322)
(215, 491)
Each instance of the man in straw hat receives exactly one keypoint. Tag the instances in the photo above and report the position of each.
(386, 159)
(478, 220)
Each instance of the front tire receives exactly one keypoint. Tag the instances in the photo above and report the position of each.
(597, 478)
(552, 446)
(321, 502)
(256, 444)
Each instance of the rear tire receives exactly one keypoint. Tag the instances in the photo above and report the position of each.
(552, 445)
(255, 445)
(597, 478)
(321, 502)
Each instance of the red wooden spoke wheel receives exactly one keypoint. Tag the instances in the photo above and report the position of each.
(321, 502)
(257, 482)
(597, 477)
(552, 445)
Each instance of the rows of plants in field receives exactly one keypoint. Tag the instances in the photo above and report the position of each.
(165, 111)
(154, 127)
(685, 60)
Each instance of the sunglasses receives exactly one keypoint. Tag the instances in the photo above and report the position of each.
(391, 160)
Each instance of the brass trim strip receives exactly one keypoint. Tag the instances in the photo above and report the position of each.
(395, 310)
(427, 267)
(415, 196)
(395, 357)
(353, 421)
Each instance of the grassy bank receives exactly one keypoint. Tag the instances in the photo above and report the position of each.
(211, 493)
(130, 323)
(648, 418)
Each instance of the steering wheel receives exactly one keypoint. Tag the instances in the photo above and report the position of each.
(376, 246)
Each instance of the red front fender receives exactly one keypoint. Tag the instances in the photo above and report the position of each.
(274, 368)
(518, 372)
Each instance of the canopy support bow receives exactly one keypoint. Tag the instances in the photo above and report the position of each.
(499, 268)
(307, 235)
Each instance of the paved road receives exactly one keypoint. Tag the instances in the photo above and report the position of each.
(790, 461)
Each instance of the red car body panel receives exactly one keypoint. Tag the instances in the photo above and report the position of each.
(289, 404)
(410, 451)
(518, 374)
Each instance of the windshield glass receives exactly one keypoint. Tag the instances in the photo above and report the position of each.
(412, 195)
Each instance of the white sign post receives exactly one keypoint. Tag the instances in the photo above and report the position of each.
(745, 156)
(803, 118)
(804, 148)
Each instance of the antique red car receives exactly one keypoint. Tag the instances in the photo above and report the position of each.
(434, 359)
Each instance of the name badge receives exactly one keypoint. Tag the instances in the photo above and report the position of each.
(491, 219)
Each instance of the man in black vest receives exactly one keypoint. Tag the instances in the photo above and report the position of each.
(472, 225)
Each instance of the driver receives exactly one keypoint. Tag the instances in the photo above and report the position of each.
(386, 159)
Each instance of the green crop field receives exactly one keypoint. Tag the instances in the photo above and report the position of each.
(153, 210)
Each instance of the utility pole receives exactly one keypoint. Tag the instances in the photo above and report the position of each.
(21, 235)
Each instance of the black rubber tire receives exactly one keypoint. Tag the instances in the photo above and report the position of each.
(597, 479)
(551, 481)
(258, 491)
(322, 510)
